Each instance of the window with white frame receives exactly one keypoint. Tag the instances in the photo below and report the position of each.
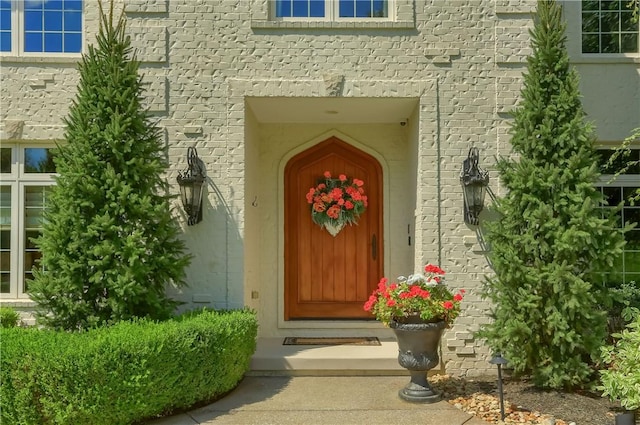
(624, 188)
(331, 9)
(40, 26)
(609, 26)
(27, 173)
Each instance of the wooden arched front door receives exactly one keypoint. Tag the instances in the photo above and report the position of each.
(330, 277)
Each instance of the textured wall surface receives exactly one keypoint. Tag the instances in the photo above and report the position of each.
(460, 62)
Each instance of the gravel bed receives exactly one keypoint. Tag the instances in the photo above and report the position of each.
(524, 404)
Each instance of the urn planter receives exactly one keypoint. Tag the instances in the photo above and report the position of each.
(626, 418)
(418, 344)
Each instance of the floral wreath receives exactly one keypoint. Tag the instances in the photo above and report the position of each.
(336, 202)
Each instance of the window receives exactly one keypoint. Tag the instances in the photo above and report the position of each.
(608, 26)
(27, 177)
(331, 9)
(624, 188)
(40, 26)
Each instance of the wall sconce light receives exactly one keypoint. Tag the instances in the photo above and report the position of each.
(474, 182)
(500, 361)
(191, 182)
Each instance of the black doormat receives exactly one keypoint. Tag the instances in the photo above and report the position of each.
(369, 340)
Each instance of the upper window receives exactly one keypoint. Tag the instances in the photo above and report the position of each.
(40, 26)
(331, 9)
(608, 26)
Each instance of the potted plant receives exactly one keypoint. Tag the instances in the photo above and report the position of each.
(418, 308)
(621, 380)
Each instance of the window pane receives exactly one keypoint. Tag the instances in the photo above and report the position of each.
(39, 160)
(53, 5)
(35, 203)
(632, 261)
(610, 5)
(316, 8)
(31, 259)
(5, 207)
(629, 43)
(363, 9)
(610, 22)
(283, 8)
(630, 195)
(5, 283)
(73, 5)
(5, 18)
(609, 43)
(53, 42)
(73, 43)
(633, 239)
(73, 21)
(5, 239)
(53, 21)
(613, 195)
(33, 42)
(590, 22)
(347, 8)
(31, 236)
(33, 20)
(5, 160)
(590, 5)
(590, 43)
(300, 8)
(5, 41)
(380, 9)
(5, 12)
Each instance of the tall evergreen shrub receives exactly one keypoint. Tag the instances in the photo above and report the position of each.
(551, 241)
(109, 242)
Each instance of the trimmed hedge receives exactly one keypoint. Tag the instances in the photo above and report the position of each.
(124, 373)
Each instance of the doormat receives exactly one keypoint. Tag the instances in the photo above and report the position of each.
(369, 340)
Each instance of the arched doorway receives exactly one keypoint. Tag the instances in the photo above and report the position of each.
(329, 277)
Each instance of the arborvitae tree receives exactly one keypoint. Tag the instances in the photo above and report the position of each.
(552, 240)
(109, 243)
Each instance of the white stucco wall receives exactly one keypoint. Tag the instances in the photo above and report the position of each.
(459, 61)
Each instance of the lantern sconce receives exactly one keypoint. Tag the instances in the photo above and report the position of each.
(474, 181)
(191, 182)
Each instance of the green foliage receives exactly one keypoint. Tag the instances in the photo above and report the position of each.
(624, 296)
(9, 318)
(110, 245)
(124, 373)
(551, 242)
(622, 380)
(621, 154)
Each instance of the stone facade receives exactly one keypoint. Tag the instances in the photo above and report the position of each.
(416, 92)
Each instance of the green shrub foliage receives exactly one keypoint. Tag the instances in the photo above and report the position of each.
(621, 381)
(551, 241)
(9, 318)
(110, 245)
(124, 373)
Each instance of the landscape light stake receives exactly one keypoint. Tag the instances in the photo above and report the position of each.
(499, 360)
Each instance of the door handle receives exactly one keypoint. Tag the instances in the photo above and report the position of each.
(374, 247)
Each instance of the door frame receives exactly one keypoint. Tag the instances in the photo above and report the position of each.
(319, 324)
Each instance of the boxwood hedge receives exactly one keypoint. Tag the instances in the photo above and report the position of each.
(124, 373)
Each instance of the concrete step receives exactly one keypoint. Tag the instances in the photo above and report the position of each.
(274, 358)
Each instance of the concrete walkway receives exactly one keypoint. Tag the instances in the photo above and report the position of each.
(321, 400)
